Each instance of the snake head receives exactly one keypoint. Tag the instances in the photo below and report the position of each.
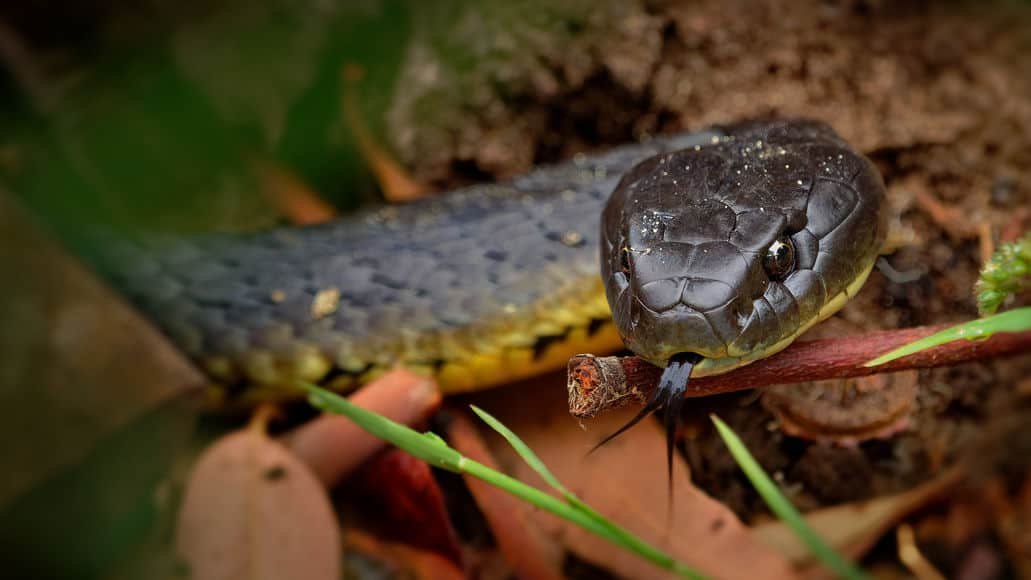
(729, 249)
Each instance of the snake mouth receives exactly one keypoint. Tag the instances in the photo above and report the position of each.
(739, 358)
(681, 366)
(659, 336)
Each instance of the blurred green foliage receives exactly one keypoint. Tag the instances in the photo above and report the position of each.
(158, 129)
(1006, 273)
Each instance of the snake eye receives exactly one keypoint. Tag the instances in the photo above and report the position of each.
(780, 258)
(624, 260)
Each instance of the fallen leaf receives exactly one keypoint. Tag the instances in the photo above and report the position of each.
(95, 405)
(853, 528)
(333, 445)
(76, 363)
(252, 510)
(367, 556)
(400, 493)
(526, 548)
(626, 482)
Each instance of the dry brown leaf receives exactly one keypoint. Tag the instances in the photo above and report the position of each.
(76, 363)
(370, 557)
(853, 528)
(626, 482)
(525, 547)
(97, 402)
(254, 511)
(333, 445)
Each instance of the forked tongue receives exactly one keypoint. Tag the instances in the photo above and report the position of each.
(669, 396)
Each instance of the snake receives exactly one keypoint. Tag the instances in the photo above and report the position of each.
(700, 252)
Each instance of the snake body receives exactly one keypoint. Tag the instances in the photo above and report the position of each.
(495, 282)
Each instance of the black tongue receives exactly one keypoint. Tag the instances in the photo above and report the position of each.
(672, 385)
(669, 396)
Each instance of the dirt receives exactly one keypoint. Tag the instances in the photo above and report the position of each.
(937, 94)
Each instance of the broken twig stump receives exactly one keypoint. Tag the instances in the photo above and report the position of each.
(599, 383)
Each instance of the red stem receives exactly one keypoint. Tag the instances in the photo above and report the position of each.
(599, 383)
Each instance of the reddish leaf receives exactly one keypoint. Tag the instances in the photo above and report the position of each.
(333, 445)
(367, 556)
(253, 511)
(399, 490)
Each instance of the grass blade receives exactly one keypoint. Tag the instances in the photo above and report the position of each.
(521, 448)
(1016, 320)
(435, 451)
(535, 463)
(783, 508)
(426, 446)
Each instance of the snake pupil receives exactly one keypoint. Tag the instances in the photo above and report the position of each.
(780, 258)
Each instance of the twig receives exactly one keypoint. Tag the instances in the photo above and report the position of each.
(599, 383)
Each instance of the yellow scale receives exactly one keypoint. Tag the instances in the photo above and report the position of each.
(504, 349)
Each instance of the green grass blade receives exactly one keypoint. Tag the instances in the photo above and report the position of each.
(535, 463)
(435, 451)
(427, 447)
(783, 508)
(1017, 320)
(611, 532)
(521, 448)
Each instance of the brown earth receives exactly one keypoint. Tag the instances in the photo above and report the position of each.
(936, 93)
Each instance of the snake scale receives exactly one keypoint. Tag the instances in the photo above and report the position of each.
(716, 248)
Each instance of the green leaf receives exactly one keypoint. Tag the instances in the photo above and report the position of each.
(1017, 320)
(780, 505)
